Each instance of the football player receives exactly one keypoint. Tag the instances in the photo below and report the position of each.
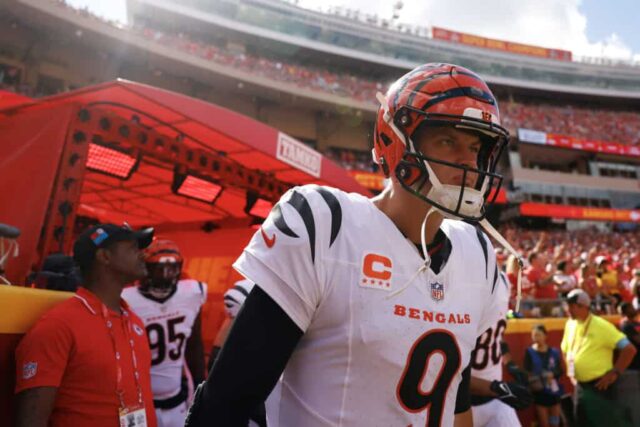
(493, 400)
(366, 310)
(234, 297)
(170, 309)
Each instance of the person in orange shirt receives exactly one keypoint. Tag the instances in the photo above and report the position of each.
(86, 362)
(544, 288)
(608, 281)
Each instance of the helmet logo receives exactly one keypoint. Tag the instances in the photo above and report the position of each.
(486, 116)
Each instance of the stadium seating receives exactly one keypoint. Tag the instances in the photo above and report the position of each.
(584, 252)
(588, 123)
(622, 127)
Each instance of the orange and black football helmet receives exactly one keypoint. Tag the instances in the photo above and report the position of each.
(440, 95)
(164, 264)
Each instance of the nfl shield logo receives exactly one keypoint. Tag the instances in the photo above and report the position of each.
(29, 370)
(437, 291)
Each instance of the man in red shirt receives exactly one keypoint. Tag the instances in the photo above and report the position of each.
(87, 361)
(544, 287)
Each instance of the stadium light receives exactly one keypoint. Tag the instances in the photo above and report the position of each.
(195, 187)
(255, 206)
(111, 160)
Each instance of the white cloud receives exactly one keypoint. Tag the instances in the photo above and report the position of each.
(115, 10)
(548, 23)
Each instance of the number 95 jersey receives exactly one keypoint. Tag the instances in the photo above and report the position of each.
(385, 342)
(168, 324)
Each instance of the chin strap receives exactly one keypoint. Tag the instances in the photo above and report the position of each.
(423, 238)
(427, 259)
(496, 235)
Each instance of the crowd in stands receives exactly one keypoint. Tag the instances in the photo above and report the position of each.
(303, 76)
(587, 123)
(605, 265)
(352, 159)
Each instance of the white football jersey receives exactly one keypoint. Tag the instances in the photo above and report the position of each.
(384, 343)
(235, 296)
(486, 359)
(168, 326)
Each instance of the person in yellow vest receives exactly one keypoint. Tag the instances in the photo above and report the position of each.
(588, 344)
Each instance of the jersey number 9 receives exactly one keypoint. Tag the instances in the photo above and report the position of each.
(409, 392)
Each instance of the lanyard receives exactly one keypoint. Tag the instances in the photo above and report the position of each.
(136, 374)
(572, 350)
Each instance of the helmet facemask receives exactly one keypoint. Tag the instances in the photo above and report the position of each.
(164, 266)
(415, 171)
(162, 278)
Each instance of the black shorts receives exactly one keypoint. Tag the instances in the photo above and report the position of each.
(545, 399)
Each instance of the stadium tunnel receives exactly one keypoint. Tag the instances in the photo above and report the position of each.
(123, 151)
(200, 174)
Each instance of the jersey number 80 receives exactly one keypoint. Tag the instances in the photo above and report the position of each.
(488, 347)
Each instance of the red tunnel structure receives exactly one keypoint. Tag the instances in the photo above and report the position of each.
(123, 151)
(200, 174)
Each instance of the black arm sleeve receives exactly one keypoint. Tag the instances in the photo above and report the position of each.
(463, 398)
(215, 350)
(247, 368)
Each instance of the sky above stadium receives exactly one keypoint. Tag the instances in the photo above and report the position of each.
(586, 27)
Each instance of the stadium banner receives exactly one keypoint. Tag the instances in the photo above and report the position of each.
(563, 141)
(486, 43)
(298, 155)
(572, 143)
(579, 212)
(369, 180)
(532, 136)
